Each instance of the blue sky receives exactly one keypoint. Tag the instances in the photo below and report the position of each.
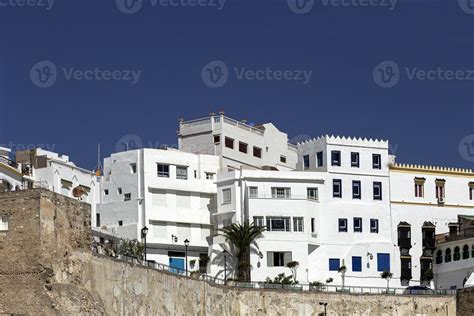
(168, 47)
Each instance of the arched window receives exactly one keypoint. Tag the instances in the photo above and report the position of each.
(457, 253)
(447, 255)
(439, 257)
(465, 252)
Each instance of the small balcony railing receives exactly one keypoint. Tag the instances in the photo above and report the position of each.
(8, 162)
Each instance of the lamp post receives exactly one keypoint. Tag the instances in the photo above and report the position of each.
(144, 232)
(324, 304)
(186, 244)
(225, 266)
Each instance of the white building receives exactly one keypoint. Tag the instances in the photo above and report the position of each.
(454, 254)
(13, 176)
(170, 192)
(424, 200)
(238, 144)
(56, 173)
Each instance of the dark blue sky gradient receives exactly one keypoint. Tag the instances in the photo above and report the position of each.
(424, 120)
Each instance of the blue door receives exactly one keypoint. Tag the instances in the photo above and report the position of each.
(176, 265)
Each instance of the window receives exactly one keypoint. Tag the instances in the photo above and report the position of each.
(440, 188)
(376, 161)
(229, 143)
(258, 220)
(120, 223)
(210, 176)
(163, 171)
(257, 152)
(471, 192)
(472, 251)
(106, 192)
(355, 160)
(181, 173)
(420, 187)
(319, 159)
(357, 225)
(356, 264)
(336, 158)
(4, 220)
(306, 165)
(127, 196)
(226, 196)
(313, 194)
(342, 225)
(119, 191)
(383, 262)
(457, 254)
(278, 224)
(465, 252)
(356, 187)
(217, 139)
(447, 255)
(313, 226)
(243, 147)
(195, 174)
(334, 264)
(374, 225)
(378, 191)
(439, 257)
(281, 193)
(337, 188)
(253, 192)
(97, 220)
(133, 168)
(278, 259)
(282, 159)
(298, 225)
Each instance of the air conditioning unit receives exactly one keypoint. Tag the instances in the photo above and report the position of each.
(441, 200)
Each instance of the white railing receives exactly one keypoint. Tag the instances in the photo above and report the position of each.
(198, 122)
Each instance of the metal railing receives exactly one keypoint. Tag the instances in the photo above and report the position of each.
(4, 160)
(288, 197)
(325, 288)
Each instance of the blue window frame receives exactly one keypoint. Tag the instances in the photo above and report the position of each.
(357, 264)
(383, 262)
(334, 264)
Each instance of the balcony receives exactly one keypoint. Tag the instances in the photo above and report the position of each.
(429, 243)
(404, 243)
(284, 197)
(8, 162)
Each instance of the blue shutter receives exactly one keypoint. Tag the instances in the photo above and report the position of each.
(383, 262)
(357, 264)
(334, 264)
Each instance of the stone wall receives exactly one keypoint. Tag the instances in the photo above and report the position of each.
(46, 268)
(131, 290)
(465, 302)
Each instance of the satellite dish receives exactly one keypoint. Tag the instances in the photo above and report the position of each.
(78, 191)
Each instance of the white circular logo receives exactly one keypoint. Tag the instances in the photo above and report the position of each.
(466, 148)
(215, 74)
(44, 74)
(386, 74)
(129, 6)
(467, 6)
(129, 142)
(300, 6)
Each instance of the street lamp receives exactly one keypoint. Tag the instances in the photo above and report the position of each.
(324, 304)
(186, 244)
(144, 232)
(225, 266)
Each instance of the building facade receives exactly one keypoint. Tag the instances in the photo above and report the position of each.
(454, 255)
(170, 192)
(237, 144)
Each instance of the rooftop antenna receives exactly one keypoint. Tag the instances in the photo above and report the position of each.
(98, 170)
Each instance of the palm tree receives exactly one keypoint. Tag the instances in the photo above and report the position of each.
(387, 275)
(342, 270)
(242, 237)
